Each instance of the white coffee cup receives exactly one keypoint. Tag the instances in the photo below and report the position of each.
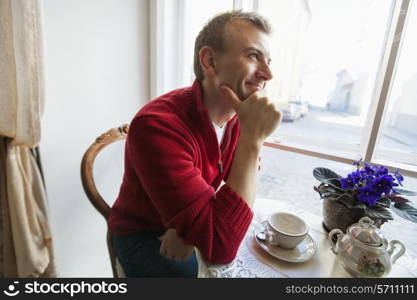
(285, 230)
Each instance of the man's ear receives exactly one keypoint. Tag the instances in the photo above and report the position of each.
(207, 60)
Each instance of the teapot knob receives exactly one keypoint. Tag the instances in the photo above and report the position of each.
(332, 233)
(366, 220)
(393, 244)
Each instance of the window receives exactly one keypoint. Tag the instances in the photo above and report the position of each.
(330, 60)
(325, 74)
(334, 64)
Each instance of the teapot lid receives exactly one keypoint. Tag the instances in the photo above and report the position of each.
(367, 233)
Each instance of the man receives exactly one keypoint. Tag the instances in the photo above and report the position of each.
(181, 146)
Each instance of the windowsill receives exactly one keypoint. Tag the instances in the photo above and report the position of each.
(336, 152)
(331, 152)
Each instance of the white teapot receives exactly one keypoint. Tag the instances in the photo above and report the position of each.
(364, 251)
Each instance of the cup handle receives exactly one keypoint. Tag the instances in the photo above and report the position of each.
(393, 245)
(270, 238)
(334, 244)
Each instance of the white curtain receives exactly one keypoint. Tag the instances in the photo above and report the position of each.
(26, 241)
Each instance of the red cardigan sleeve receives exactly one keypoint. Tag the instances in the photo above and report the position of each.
(163, 155)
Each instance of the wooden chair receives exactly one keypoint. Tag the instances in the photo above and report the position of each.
(114, 134)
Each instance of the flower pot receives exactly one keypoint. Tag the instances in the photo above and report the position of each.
(337, 216)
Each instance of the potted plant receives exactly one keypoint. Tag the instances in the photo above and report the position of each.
(371, 191)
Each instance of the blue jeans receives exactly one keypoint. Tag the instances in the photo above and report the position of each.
(139, 256)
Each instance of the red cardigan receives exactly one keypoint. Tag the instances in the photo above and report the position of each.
(173, 167)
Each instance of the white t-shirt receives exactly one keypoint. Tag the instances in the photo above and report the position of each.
(219, 132)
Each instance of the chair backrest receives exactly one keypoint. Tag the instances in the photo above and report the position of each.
(87, 178)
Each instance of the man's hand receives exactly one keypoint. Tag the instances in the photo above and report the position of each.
(258, 116)
(173, 247)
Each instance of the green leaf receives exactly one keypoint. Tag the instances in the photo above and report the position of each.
(324, 174)
(350, 202)
(378, 212)
(334, 182)
(405, 211)
(330, 195)
(325, 188)
(405, 192)
(384, 202)
(398, 199)
(331, 198)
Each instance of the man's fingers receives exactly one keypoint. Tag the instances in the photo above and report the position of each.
(162, 251)
(231, 96)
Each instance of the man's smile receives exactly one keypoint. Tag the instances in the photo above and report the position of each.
(256, 85)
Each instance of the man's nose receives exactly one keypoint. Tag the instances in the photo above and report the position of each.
(264, 71)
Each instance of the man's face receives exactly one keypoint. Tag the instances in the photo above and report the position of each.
(244, 65)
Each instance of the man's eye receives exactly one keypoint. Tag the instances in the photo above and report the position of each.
(254, 55)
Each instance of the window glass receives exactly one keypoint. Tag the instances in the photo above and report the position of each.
(398, 138)
(325, 58)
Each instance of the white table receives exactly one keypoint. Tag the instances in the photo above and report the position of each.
(253, 261)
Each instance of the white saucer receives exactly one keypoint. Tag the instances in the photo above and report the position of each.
(302, 252)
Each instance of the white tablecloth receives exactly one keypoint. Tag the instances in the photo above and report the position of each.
(253, 261)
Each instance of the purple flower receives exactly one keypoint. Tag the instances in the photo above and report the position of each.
(366, 177)
(383, 184)
(351, 180)
(369, 182)
(380, 170)
(369, 169)
(346, 183)
(368, 195)
(399, 177)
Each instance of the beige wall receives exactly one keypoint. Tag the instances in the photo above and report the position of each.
(96, 57)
